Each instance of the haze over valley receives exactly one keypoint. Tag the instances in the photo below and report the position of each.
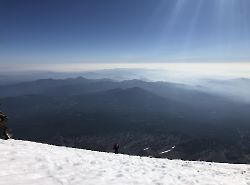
(159, 119)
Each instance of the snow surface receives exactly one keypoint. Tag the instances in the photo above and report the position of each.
(28, 163)
(173, 147)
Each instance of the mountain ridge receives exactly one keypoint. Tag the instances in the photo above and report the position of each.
(96, 113)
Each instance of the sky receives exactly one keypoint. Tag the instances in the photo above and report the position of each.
(96, 32)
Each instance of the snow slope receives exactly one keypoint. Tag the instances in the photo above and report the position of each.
(26, 163)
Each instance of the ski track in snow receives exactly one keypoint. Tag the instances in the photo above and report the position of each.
(29, 163)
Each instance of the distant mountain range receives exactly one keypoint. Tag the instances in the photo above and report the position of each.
(170, 120)
(236, 89)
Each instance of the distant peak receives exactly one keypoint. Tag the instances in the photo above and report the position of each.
(79, 78)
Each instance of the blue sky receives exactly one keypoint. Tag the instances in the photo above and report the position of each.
(124, 31)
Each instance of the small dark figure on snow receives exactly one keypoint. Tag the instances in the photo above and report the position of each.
(3, 129)
(116, 148)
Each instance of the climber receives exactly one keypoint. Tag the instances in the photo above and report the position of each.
(116, 148)
(3, 128)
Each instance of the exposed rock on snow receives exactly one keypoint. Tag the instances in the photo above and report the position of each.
(28, 163)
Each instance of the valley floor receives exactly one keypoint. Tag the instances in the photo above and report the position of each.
(28, 163)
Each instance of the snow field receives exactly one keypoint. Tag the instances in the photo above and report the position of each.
(29, 163)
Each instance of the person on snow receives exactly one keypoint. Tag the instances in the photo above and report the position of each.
(3, 128)
(116, 148)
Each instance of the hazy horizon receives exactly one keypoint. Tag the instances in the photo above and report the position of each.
(191, 70)
(93, 34)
